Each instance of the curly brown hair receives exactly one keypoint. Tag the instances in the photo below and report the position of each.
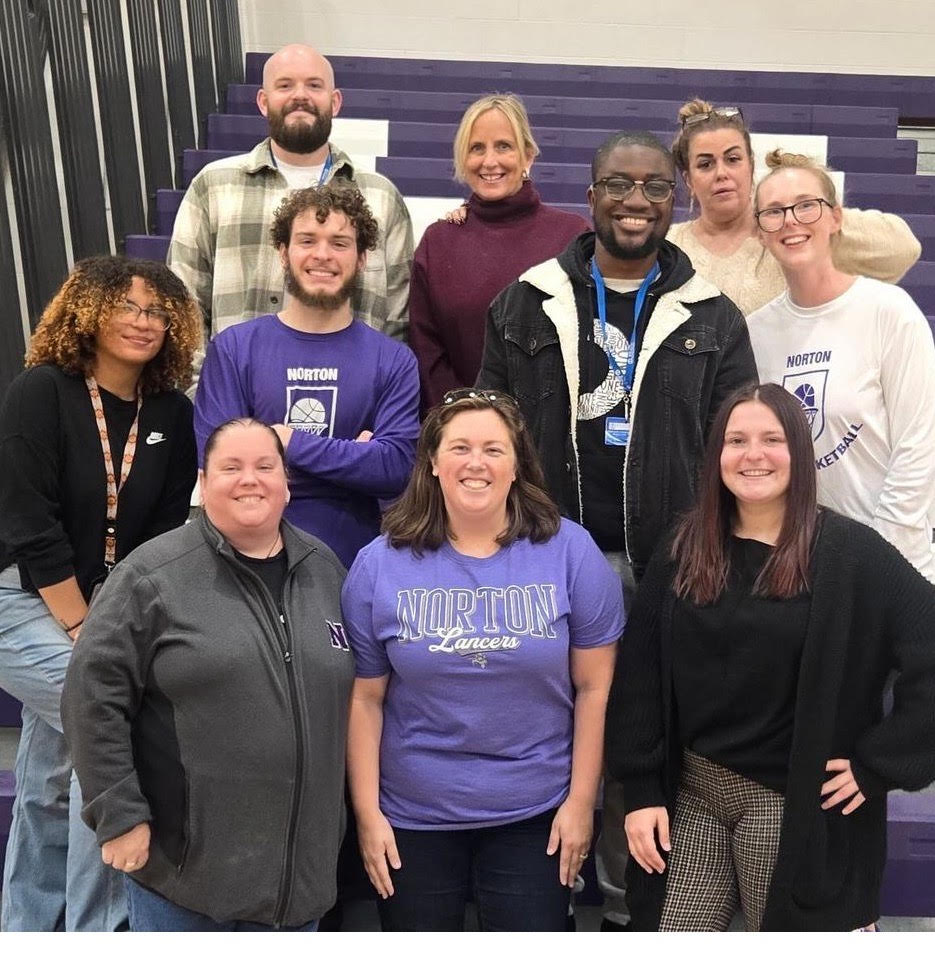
(340, 195)
(67, 332)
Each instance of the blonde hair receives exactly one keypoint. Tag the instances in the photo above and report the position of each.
(512, 108)
(697, 107)
(778, 160)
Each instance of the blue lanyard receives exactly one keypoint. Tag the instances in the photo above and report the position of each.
(624, 376)
(325, 170)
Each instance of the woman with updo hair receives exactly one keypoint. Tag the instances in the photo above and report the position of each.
(713, 153)
(859, 356)
(97, 455)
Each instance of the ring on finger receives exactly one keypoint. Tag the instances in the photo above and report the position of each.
(582, 856)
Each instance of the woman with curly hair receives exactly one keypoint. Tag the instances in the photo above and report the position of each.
(97, 455)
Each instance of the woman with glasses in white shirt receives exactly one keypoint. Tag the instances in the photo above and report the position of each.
(859, 356)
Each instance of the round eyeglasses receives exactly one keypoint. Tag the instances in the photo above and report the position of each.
(619, 188)
(129, 312)
(771, 219)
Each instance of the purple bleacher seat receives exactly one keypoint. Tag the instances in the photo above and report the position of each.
(565, 183)
(167, 206)
(913, 96)
(194, 160)
(235, 131)
(10, 709)
(873, 155)
(895, 194)
(147, 247)
(919, 283)
(923, 226)
(621, 113)
(909, 880)
(231, 131)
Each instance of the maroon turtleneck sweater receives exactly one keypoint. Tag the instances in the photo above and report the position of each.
(458, 270)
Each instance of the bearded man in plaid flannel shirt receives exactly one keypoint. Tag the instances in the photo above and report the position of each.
(220, 242)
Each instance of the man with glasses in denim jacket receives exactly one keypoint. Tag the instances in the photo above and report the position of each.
(619, 356)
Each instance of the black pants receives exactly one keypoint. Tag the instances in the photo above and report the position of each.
(505, 869)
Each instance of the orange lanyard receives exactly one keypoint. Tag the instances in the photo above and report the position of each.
(114, 486)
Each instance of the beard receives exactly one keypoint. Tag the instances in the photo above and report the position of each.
(320, 301)
(301, 137)
(605, 233)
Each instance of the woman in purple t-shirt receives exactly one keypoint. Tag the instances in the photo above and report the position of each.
(483, 627)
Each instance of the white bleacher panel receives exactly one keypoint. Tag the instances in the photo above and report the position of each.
(365, 137)
(426, 210)
(811, 145)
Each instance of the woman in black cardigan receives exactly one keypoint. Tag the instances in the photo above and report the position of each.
(747, 705)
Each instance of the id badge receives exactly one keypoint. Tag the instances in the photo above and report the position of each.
(616, 431)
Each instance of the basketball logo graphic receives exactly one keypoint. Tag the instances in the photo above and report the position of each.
(806, 395)
(307, 413)
(809, 389)
(311, 409)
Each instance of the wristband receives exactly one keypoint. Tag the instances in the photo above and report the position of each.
(72, 627)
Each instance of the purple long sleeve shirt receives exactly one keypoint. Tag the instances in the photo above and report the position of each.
(328, 388)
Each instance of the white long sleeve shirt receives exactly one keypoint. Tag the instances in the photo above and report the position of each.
(863, 367)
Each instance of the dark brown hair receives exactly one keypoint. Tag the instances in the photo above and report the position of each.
(340, 195)
(215, 434)
(700, 547)
(67, 332)
(419, 520)
(714, 121)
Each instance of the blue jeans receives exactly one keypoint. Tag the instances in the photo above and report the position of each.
(53, 878)
(513, 881)
(152, 913)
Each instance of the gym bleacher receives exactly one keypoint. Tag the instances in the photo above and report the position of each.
(399, 117)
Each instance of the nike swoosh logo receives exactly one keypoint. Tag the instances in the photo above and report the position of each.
(151, 439)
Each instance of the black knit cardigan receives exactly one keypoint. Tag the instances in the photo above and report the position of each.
(871, 614)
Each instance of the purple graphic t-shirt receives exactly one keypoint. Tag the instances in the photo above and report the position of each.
(328, 387)
(477, 721)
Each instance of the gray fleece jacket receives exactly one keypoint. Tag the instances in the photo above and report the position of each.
(190, 703)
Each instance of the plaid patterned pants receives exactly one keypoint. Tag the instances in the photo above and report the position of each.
(725, 835)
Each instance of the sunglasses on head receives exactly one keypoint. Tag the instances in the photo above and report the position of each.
(473, 393)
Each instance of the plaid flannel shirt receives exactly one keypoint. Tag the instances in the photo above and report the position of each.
(221, 245)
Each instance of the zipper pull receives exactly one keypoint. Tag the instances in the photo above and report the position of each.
(287, 656)
(282, 619)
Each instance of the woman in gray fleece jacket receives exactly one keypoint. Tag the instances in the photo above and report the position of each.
(206, 708)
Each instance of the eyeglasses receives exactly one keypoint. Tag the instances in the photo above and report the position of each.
(772, 219)
(129, 312)
(722, 113)
(472, 393)
(619, 188)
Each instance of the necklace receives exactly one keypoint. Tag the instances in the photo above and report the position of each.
(273, 547)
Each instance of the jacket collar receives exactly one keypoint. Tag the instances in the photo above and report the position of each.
(557, 279)
(260, 159)
(297, 547)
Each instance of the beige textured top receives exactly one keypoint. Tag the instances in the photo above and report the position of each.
(870, 244)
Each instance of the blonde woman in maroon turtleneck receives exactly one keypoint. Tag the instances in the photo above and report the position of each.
(460, 267)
